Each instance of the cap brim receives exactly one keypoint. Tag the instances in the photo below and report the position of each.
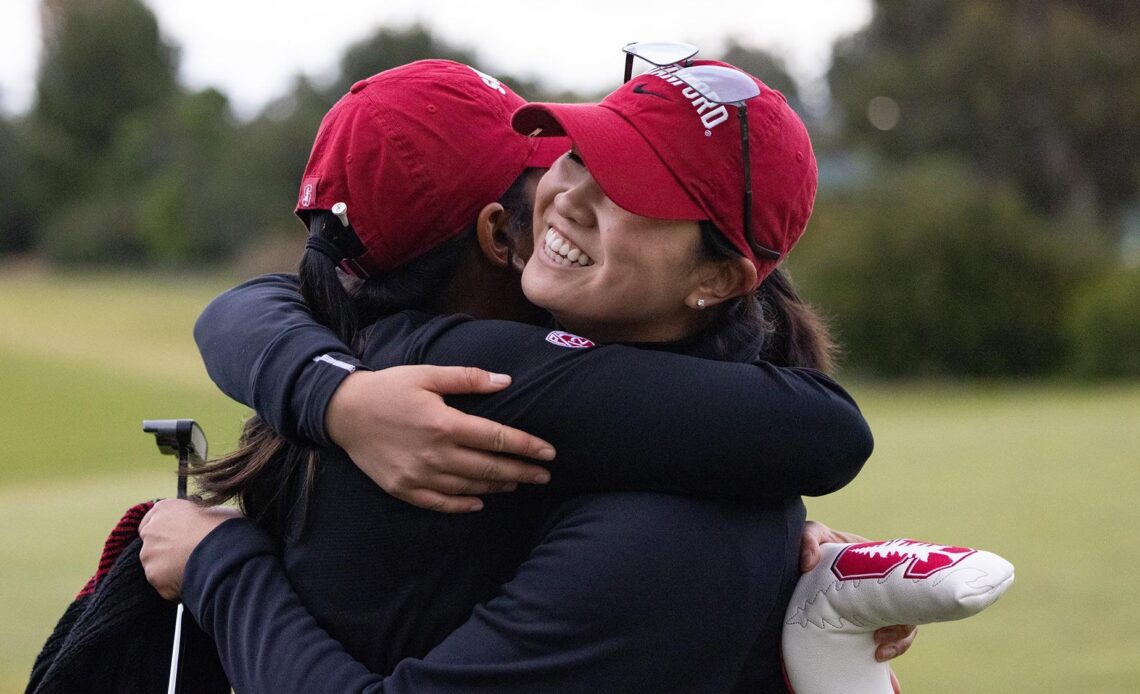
(623, 163)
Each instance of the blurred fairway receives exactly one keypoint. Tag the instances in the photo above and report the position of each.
(1045, 475)
(83, 361)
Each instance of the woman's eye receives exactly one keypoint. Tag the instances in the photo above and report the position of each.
(573, 156)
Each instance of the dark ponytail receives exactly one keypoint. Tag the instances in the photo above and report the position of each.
(269, 476)
(790, 332)
(799, 335)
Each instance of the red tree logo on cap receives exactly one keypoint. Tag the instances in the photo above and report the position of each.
(308, 192)
(879, 559)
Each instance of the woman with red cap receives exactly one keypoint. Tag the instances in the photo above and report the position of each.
(673, 265)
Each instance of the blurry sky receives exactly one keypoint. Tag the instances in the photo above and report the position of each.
(250, 49)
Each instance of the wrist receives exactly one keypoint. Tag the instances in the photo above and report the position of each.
(338, 413)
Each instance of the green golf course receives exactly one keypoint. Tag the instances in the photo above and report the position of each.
(1044, 474)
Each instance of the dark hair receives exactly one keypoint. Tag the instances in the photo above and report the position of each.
(272, 477)
(789, 331)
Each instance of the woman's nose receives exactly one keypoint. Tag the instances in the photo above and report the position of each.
(577, 201)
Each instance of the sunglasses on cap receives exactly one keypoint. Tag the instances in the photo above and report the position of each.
(719, 85)
(658, 54)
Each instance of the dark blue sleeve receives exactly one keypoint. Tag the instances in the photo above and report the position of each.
(267, 641)
(263, 348)
(629, 419)
(627, 592)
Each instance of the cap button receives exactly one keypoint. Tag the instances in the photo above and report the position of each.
(358, 86)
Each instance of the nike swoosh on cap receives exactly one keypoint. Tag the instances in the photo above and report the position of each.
(640, 89)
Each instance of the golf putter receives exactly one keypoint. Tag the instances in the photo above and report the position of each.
(185, 439)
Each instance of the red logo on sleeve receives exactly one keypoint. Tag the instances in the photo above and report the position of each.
(878, 559)
(557, 337)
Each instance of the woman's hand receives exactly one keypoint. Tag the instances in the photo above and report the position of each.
(892, 641)
(816, 534)
(397, 429)
(170, 531)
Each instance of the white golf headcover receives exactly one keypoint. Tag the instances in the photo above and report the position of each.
(857, 588)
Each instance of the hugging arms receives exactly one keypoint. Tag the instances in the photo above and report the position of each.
(677, 535)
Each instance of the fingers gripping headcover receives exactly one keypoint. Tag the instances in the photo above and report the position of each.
(415, 152)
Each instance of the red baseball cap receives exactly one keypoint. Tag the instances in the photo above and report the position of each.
(659, 149)
(415, 152)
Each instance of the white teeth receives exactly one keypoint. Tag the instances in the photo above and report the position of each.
(563, 252)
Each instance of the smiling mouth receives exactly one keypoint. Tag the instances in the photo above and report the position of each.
(562, 252)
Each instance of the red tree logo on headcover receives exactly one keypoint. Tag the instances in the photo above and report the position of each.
(879, 559)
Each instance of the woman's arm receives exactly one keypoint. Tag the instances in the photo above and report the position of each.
(577, 608)
(618, 597)
(633, 419)
(258, 342)
(267, 641)
(628, 419)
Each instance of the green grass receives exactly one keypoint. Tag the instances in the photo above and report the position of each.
(51, 533)
(1045, 475)
(84, 361)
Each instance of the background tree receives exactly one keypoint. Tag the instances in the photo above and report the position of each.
(1044, 93)
(928, 271)
(105, 70)
(103, 60)
(15, 213)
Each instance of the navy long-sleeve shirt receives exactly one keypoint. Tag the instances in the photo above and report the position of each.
(621, 418)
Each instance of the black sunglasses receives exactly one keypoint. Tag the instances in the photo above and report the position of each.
(720, 85)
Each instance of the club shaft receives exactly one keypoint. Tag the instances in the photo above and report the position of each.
(175, 654)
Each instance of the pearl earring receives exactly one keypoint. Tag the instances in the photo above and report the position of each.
(700, 303)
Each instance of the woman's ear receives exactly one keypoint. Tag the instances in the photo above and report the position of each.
(723, 280)
(490, 230)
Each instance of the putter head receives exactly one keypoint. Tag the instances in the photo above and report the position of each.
(176, 436)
